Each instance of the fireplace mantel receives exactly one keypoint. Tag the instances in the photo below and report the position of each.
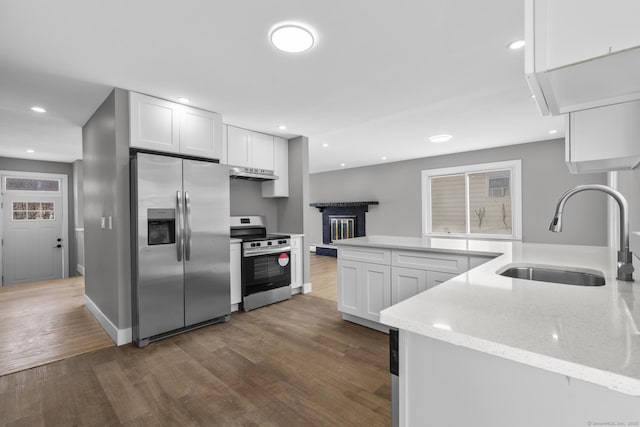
(322, 205)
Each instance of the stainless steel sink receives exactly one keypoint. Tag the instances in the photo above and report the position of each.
(554, 274)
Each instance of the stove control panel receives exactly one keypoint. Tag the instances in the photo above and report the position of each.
(265, 247)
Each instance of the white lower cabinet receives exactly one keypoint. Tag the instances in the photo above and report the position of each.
(406, 282)
(371, 279)
(363, 288)
(235, 271)
(296, 262)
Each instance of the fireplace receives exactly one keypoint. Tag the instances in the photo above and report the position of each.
(341, 220)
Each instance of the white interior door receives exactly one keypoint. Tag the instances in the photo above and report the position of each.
(34, 242)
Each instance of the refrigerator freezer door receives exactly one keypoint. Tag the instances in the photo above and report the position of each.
(207, 281)
(159, 291)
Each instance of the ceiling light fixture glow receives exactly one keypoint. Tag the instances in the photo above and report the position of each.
(515, 45)
(30, 150)
(343, 164)
(383, 158)
(325, 145)
(38, 109)
(282, 127)
(440, 138)
(292, 38)
(552, 131)
(184, 100)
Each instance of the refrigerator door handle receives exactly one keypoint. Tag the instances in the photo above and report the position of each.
(187, 226)
(179, 240)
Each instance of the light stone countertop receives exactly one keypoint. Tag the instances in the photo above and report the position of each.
(234, 240)
(587, 333)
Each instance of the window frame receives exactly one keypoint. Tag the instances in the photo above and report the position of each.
(515, 166)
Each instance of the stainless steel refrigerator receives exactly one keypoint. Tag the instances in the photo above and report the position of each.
(180, 245)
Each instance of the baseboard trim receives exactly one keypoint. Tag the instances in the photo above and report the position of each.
(306, 288)
(80, 269)
(118, 336)
(365, 322)
(312, 248)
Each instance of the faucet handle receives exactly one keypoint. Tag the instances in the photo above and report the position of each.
(625, 266)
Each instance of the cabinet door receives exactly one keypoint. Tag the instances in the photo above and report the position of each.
(200, 133)
(261, 151)
(376, 288)
(296, 262)
(280, 186)
(235, 266)
(349, 298)
(434, 278)
(154, 123)
(238, 151)
(406, 282)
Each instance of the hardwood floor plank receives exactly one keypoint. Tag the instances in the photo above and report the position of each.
(294, 363)
(44, 322)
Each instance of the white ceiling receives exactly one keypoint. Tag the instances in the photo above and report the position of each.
(382, 77)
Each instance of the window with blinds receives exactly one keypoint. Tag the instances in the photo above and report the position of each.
(476, 200)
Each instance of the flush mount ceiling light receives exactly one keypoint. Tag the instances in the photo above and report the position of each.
(282, 127)
(383, 158)
(552, 131)
(292, 38)
(30, 150)
(515, 45)
(325, 145)
(440, 138)
(38, 109)
(343, 164)
(184, 100)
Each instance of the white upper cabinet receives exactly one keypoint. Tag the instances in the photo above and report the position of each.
(582, 54)
(249, 149)
(160, 125)
(200, 133)
(603, 139)
(280, 186)
(154, 124)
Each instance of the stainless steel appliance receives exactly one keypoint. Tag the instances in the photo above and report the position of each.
(252, 174)
(180, 245)
(266, 262)
(394, 368)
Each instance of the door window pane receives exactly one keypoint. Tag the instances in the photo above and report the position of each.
(448, 214)
(29, 184)
(490, 203)
(33, 211)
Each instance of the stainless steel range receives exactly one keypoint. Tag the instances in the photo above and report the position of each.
(266, 262)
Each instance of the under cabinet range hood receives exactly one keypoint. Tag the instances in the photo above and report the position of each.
(252, 174)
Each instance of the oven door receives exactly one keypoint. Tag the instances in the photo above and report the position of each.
(265, 271)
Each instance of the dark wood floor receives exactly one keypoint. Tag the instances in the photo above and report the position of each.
(295, 363)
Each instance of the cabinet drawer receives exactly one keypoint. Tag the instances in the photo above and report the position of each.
(372, 255)
(431, 261)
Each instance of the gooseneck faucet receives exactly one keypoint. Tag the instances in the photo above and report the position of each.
(625, 266)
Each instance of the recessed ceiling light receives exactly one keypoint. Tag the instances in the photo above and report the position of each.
(292, 38)
(515, 45)
(282, 127)
(184, 100)
(383, 158)
(552, 131)
(31, 151)
(440, 138)
(38, 109)
(325, 145)
(343, 164)
(533, 97)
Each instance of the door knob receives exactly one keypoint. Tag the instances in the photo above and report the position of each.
(58, 246)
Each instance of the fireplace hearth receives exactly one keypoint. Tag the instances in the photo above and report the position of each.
(341, 220)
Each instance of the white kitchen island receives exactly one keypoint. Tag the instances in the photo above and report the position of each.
(482, 349)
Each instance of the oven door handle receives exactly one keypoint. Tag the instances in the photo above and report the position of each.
(286, 249)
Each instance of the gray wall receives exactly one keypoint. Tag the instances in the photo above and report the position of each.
(629, 186)
(106, 193)
(292, 211)
(397, 187)
(24, 165)
(246, 199)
